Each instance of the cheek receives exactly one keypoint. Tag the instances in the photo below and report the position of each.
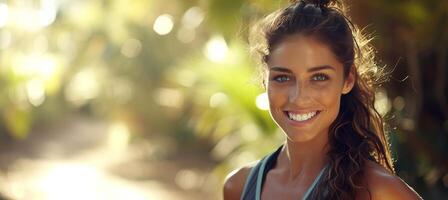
(327, 96)
(330, 100)
(277, 99)
(276, 96)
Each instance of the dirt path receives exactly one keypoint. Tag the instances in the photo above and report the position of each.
(90, 159)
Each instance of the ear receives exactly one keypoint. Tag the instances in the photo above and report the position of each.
(349, 81)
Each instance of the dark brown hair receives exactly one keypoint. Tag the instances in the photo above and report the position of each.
(358, 134)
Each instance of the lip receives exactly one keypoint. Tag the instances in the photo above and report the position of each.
(302, 123)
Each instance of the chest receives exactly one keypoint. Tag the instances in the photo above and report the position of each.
(275, 188)
(272, 190)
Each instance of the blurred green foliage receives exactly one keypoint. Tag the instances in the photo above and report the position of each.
(196, 84)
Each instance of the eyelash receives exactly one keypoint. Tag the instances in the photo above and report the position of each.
(316, 77)
(279, 77)
(322, 77)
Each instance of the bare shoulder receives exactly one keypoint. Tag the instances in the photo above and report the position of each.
(383, 184)
(235, 180)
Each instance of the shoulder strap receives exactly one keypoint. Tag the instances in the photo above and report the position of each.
(251, 182)
(254, 181)
(313, 185)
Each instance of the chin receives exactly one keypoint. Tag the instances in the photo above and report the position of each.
(299, 137)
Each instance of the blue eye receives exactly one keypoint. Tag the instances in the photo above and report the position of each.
(281, 78)
(320, 77)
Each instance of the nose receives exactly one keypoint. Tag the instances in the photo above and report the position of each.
(298, 94)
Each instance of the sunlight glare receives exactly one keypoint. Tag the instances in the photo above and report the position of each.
(80, 181)
(35, 66)
(5, 39)
(382, 102)
(47, 13)
(118, 137)
(4, 11)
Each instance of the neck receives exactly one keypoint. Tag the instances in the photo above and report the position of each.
(304, 157)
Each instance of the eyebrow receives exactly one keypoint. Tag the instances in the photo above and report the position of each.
(313, 69)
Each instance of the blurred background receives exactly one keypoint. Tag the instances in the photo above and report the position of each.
(159, 99)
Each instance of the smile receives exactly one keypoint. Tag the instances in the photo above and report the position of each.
(301, 117)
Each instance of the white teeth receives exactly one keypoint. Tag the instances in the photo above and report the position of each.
(301, 117)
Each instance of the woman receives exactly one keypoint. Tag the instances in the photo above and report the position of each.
(319, 80)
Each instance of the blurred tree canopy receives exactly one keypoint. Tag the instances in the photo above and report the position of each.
(182, 70)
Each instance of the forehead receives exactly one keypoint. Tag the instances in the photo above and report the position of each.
(302, 52)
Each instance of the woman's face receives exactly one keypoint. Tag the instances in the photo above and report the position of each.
(305, 84)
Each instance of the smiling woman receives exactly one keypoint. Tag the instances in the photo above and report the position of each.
(305, 82)
(321, 94)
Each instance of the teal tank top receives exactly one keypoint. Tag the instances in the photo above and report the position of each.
(255, 180)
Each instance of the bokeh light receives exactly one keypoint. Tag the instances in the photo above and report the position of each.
(382, 102)
(36, 92)
(218, 99)
(119, 136)
(131, 48)
(163, 24)
(216, 49)
(169, 97)
(85, 85)
(262, 101)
